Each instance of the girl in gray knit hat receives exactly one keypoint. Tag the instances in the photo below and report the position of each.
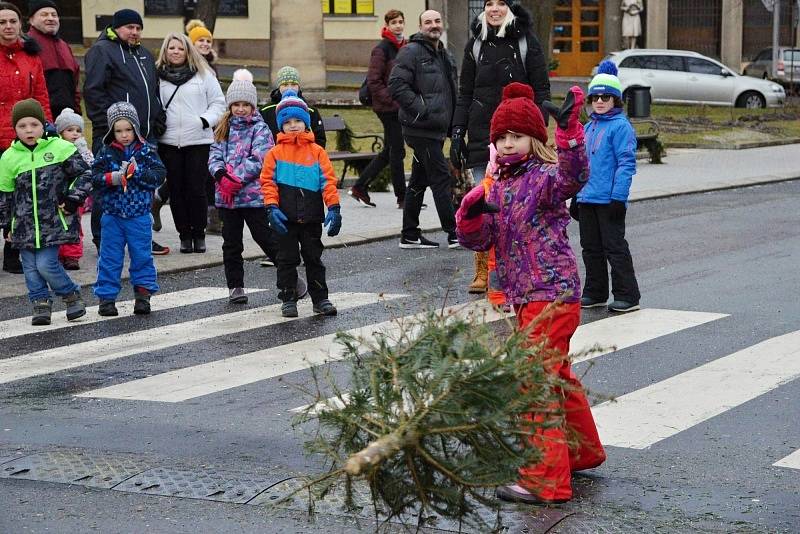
(242, 139)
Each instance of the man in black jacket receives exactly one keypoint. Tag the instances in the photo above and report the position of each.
(120, 69)
(423, 83)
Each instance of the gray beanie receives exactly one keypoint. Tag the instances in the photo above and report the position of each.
(68, 118)
(242, 89)
(121, 110)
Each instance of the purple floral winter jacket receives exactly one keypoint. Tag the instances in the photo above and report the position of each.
(242, 155)
(534, 259)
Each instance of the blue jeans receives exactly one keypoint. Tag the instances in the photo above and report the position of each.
(137, 235)
(42, 268)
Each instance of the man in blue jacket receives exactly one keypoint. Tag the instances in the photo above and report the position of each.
(120, 69)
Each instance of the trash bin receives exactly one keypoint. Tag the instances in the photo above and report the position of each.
(638, 102)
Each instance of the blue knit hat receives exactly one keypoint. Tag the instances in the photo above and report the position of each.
(292, 106)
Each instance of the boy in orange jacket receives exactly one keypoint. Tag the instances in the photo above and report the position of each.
(296, 180)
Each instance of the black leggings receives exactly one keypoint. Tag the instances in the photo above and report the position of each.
(187, 176)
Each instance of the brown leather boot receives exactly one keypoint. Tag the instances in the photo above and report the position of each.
(481, 279)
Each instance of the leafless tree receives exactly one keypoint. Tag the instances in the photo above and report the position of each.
(206, 11)
(542, 11)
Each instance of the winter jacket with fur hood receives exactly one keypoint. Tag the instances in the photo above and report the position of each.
(423, 82)
(201, 96)
(32, 185)
(482, 81)
(118, 72)
(242, 155)
(21, 77)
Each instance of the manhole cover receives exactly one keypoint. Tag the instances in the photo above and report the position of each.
(363, 509)
(67, 467)
(209, 485)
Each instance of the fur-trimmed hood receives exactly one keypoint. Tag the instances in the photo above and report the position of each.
(522, 25)
(26, 44)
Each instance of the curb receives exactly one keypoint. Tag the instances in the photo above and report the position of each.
(382, 235)
(735, 146)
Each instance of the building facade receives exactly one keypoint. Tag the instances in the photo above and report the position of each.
(583, 31)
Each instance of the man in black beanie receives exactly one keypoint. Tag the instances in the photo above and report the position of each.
(119, 69)
(61, 70)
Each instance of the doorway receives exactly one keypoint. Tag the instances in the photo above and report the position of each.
(577, 36)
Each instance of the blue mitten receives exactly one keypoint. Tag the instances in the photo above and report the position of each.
(277, 219)
(333, 220)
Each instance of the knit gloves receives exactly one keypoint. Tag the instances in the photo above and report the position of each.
(569, 130)
(333, 220)
(120, 177)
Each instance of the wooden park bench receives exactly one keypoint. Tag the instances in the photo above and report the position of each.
(647, 137)
(352, 160)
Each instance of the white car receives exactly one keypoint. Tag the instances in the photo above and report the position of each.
(684, 77)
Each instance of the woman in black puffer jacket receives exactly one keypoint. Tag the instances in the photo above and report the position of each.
(504, 35)
(499, 30)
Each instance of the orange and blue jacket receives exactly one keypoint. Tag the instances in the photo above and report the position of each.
(298, 178)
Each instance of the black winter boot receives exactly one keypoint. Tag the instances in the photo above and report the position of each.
(107, 308)
(42, 309)
(141, 305)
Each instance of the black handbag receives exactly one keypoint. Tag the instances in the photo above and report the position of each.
(160, 125)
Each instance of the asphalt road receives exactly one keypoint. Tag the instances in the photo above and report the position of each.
(731, 253)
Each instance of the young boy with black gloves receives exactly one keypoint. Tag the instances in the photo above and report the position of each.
(125, 173)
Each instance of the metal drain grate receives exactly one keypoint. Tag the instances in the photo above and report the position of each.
(68, 467)
(209, 485)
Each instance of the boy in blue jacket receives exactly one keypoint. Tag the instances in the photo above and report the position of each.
(602, 203)
(125, 173)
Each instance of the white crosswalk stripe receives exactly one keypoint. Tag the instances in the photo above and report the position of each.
(792, 461)
(115, 347)
(646, 416)
(160, 301)
(204, 379)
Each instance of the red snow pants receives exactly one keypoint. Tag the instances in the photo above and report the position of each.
(73, 250)
(573, 445)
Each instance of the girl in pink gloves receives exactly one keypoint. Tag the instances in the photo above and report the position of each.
(525, 218)
(242, 139)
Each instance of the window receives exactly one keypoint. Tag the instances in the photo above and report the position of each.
(765, 55)
(670, 63)
(634, 62)
(791, 55)
(701, 66)
(348, 7)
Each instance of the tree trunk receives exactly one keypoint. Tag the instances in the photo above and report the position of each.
(542, 11)
(206, 11)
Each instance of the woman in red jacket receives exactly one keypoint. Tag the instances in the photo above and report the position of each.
(21, 77)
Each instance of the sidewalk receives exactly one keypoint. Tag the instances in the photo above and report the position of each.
(685, 171)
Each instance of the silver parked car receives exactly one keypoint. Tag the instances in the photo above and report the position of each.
(684, 77)
(788, 70)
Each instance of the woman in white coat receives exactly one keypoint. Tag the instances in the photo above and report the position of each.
(194, 103)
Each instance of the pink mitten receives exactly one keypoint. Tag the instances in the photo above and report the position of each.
(569, 130)
(492, 166)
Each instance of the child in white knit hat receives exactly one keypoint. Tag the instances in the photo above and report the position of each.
(242, 139)
(69, 126)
